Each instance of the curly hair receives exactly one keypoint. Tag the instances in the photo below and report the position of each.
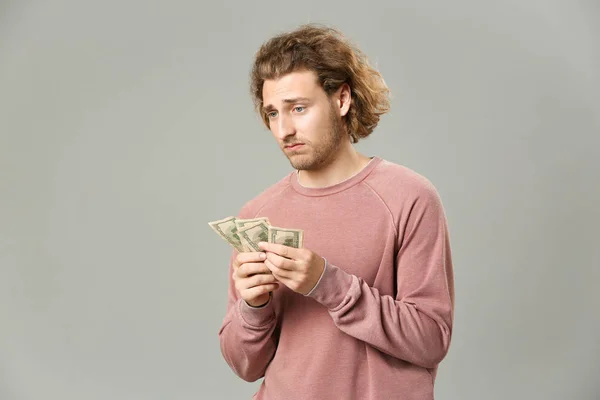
(336, 61)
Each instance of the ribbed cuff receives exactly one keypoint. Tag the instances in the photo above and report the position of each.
(317, 284)
(333, 286)
(256, 316)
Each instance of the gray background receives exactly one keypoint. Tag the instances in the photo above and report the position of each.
(127, 125)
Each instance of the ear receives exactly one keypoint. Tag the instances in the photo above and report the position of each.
(343, 99)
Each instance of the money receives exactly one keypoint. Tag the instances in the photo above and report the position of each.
(243, 223)
(245, 234)
(253, 234)
(286, 237)
(227, 230)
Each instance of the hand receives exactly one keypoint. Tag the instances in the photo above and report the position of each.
(253, 280)
(298, 269)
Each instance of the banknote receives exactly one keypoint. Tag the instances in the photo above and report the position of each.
(245, 234)
(242, 223)
(253, 234)
(227, 230)
(286, 236)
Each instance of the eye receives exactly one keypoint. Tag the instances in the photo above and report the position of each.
(271, 114)
(299, 107)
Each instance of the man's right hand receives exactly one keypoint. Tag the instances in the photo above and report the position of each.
(253, 279)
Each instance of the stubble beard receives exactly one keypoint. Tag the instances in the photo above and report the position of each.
(313, 158)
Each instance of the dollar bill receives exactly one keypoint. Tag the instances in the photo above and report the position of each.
(253, 234)
(243, 223)
(286, 236)
(245, 234)
(227, 229)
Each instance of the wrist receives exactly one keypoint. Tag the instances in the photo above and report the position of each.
(261, 305)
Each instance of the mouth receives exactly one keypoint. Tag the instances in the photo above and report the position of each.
(294, 146)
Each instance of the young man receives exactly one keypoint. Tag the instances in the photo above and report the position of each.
(364, 310)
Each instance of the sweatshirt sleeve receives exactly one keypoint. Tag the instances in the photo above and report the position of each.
(416, 325)
(247, 335)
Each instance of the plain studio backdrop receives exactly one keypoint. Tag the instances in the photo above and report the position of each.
(127, 125)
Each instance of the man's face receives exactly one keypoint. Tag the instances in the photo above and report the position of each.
(299, 111)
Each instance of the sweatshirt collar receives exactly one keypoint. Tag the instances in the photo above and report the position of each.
(338, 187)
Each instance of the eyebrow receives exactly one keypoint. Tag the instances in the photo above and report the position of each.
(270, 107)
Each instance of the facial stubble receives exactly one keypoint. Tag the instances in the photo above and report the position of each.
(323, 154)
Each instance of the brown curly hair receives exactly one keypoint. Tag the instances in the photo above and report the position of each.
(336, 61)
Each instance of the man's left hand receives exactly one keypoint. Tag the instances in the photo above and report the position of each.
(298, 269)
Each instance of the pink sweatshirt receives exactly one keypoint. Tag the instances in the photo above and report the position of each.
(379, 321)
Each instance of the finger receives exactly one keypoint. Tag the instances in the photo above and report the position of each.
(254, 281)
(282, 250)
(251, 256)
(260, 279)
(280, 262)
(258, 290)
(279, 273)
(250, 269)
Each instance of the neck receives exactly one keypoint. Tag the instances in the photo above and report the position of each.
(346, 163)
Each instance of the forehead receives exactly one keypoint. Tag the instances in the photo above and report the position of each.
(294, 84)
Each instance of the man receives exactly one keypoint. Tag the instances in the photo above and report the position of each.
(364, 310)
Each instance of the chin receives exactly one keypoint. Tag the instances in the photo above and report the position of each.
(297, 163)
(305, 160)
(306, 164)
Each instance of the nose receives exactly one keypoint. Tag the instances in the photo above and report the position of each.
(285, 127)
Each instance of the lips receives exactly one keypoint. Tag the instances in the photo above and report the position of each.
(293, 146)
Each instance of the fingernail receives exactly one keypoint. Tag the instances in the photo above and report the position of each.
(263, 256)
